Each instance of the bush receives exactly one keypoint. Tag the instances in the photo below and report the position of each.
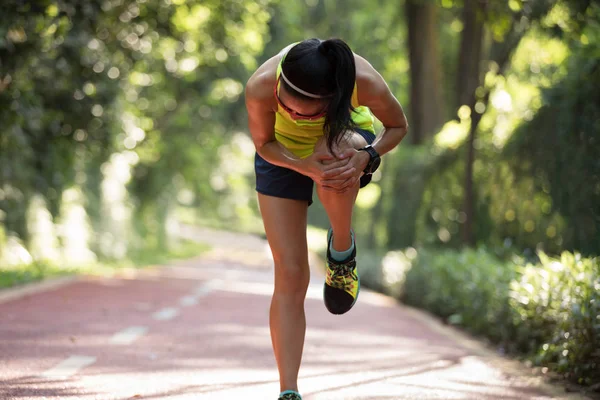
(549, 312)
(558, 304)
(467, 288)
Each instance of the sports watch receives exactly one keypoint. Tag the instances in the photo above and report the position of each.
(374, 161)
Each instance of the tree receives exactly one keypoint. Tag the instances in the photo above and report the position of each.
(468, 74)
(507, 26)
(426, 107)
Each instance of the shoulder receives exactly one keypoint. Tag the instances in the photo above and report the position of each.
(260, 85)
(369, 82)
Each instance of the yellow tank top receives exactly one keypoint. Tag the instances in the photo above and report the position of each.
(300, 136)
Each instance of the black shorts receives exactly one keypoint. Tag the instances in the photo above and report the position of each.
(285, 183)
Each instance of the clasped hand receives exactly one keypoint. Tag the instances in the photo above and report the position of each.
(333, 173)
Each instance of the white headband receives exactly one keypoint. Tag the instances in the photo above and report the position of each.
(297, 89)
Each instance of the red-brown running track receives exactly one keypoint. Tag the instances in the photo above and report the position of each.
(198, 329)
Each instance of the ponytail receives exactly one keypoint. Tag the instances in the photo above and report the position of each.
(326, 69)
(338, 119)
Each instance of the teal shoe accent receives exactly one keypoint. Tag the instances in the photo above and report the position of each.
(340, 256)
(289, 395)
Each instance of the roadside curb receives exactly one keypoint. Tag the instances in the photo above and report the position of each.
(32, 288)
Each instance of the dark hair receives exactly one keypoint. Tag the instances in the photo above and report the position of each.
(324, 68)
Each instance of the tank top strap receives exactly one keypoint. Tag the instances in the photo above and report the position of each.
(354, 100)
(279, 66)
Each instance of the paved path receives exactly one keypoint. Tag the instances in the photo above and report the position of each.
(199, 330)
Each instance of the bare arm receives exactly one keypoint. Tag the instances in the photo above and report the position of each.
(261, 117)
(261, 122)
(374, 93)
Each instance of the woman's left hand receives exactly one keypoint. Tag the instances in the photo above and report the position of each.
(343, 178)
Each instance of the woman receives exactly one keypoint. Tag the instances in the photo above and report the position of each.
(309, 111)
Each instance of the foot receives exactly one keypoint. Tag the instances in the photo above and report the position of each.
(289, 395)
(342, 283)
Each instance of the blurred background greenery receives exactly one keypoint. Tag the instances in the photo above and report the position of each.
(120, 119)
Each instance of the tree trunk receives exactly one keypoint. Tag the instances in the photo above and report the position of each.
(468, 200)
(468, 80)
(426, 113)
(468, 73)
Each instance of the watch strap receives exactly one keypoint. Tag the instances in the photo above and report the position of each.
(373, 155)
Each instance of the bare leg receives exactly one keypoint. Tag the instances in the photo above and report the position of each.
(285, 226)
(339, 206)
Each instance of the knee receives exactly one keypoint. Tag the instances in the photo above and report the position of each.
(291, 277)
(355, 140)
(349, 140)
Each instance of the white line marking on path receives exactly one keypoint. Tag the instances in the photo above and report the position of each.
(128, 335)
(201, 291)
(207, 287)
(165, 314)
(69, 367)
(187, 301)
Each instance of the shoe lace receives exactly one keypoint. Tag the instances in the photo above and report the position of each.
(342, 276)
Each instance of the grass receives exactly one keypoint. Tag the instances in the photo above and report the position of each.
(29, 273)
(38, 271)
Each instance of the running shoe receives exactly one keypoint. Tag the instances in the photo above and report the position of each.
(342, 283)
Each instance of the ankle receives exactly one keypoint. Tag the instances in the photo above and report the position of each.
(343, 255)
(342, 241)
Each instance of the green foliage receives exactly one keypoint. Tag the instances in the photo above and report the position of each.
(529, 158)
(467, 288)
(47, 90)
(29, 273)
(568, 122)
(557, 304)
(416, 167)
(548, 311)
(156, 82)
